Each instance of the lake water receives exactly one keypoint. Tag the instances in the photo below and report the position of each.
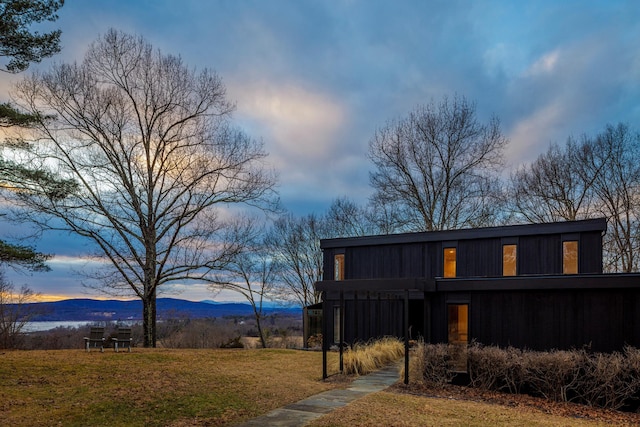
(46, 326)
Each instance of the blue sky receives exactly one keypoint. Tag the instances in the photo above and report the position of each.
(315, 79)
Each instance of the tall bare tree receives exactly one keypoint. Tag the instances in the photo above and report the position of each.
(612, 161)
(553, 187)
(294, 244)
(251, 272)
(439, 167)
(148, 142)
(591, 177)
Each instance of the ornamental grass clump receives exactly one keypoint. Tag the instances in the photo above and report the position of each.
(365, 358)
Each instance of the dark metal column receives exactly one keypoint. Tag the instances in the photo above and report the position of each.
(406, 336)
(325, 334)
(342, 314)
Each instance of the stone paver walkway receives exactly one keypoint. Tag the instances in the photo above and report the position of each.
(307, 410)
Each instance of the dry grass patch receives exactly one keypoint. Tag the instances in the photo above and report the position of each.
(392, 409)
(154, 387)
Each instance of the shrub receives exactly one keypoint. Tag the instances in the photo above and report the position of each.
(609, 381)
(235, 342)
(431, 364)
(494, 368)
(553, 375)
(315, 341)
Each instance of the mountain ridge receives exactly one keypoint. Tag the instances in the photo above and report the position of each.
(87, 309)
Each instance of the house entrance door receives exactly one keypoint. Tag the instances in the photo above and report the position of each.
(458, 324)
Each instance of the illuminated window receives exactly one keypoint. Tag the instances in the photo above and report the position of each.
(338, 267)
(458, 334)
(509, 260)
(449, 262)
(570, 257)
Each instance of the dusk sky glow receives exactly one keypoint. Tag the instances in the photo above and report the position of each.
(314, 79)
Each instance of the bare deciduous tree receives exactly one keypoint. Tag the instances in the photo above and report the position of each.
(612, 161)
(294, 244)
(593, 177)
(251, 272)
(552, 188)
(149, 144)
(345, 218)
(15, 312)
(439, 167)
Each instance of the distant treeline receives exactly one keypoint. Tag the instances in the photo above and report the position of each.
(180, 331)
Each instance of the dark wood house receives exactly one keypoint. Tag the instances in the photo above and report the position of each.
(537, 286)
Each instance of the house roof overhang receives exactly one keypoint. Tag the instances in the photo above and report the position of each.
(375, 285)
(516, 283)
(598, 224)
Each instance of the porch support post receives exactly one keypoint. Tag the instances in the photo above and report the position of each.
(406, 336)
(341, 321)
(325, 334)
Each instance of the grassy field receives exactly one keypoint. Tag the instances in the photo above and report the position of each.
(152, 387)
(167, 387)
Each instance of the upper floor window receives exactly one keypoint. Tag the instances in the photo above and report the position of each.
(570, 257)
(338, 267)
(509, 260)
(449, 262)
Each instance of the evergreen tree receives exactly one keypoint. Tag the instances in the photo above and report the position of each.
(22, 46)
(18, 42)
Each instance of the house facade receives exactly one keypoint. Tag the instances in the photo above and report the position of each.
(536, 286)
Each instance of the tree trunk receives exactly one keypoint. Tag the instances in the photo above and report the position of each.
(259, 326)
(149, 320)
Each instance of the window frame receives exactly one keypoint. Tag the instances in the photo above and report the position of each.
(445, 246)
(509, 241)
(568, 238)
(338, 266)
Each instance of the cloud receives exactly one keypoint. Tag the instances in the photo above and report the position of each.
(544, 65)
(303, 130)
(299, 123)
(502, 60)
(526, 134)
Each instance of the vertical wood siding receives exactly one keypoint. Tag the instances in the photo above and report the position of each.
(602, 320)
(605, 319)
